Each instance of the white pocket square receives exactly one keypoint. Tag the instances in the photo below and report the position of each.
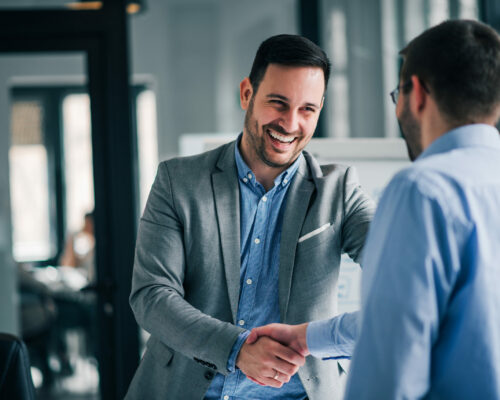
(314, 232)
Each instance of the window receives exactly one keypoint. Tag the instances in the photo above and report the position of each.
(29, 182)
(363, 40)
(79, 181)
(51, 174)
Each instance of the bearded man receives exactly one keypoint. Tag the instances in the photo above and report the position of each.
(245, 235)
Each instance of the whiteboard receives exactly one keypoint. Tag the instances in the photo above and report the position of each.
(376, 161)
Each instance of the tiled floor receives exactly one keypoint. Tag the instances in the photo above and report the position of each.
(83, 384)
(78, 380)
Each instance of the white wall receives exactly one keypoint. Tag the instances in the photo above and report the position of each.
(197, 52)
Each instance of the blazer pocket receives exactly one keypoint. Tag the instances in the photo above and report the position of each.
(161, 352)
(315, 237)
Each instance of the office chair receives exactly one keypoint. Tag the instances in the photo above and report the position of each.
(15, 374)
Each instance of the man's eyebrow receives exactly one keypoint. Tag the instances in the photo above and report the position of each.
(284, 98)
(279, 96)
(312, 105)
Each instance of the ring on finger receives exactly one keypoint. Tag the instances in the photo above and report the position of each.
(276, 375)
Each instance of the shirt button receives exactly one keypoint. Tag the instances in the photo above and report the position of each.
(245, 180)
(226, 397)
(257, 241)
(249, 281)
(249, 176)
(264, 199)
(285, 181)
(241, 322)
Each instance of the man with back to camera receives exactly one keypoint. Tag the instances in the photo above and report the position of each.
(430, 317)
(244, 235)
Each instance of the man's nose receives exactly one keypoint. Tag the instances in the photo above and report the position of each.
(290, 121)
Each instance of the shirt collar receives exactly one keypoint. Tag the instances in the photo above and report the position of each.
(464, 136)
(246, 175)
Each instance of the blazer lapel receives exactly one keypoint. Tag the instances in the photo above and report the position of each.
(296, 208)
(227, 203)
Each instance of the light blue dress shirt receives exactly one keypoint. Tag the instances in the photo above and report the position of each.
(430, 323)
(261, 216)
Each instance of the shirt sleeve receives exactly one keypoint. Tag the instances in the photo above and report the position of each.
(231, 362)
(408, 270)
(333, 338)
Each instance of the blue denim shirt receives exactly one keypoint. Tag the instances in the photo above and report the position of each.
(261, 216)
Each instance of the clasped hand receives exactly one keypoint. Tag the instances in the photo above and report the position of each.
(272, 354)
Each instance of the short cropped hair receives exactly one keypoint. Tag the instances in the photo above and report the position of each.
(288, 50)
(459, 61)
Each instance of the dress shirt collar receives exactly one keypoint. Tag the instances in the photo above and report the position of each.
(246, 175)
(474, 135)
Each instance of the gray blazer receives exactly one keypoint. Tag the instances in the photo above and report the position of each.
(186, 278)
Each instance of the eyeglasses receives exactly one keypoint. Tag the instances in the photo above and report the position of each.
(395, 93)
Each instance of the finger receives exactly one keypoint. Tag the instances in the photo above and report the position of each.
(270, 382)
(255, 381)
(285, 369)
(254, 335)
(289, 355)
(281, 377)
(266, 330)
(258, 332)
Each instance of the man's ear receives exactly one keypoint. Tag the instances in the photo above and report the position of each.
(418, 99)
(246, 92)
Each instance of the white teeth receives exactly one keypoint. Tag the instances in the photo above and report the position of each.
(281, 138)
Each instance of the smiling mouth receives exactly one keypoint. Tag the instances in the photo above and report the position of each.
(280, 138)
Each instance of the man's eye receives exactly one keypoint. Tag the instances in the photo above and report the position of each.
(278, 103)
(310, 109)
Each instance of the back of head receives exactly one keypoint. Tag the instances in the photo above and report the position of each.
(459, 62)
(288, 50)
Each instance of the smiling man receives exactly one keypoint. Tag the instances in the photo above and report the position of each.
(248, 234)
(281, 117)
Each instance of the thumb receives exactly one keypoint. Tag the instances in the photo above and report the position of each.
(254, 335)
(258, 332)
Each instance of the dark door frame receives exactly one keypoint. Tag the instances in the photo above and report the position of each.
(490, 13)
(310, 26)
(102, 36)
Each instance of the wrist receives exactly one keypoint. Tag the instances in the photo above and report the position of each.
(236, 350)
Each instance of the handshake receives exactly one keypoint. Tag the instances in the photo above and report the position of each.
(272, 354)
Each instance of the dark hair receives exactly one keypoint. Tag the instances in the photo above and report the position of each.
(459, 62)
(288, 50)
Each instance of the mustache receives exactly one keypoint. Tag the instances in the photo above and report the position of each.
(279, 129)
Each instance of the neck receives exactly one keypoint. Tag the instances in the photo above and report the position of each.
(264, 173)
(434, 125)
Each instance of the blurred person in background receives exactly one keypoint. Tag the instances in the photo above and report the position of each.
(79, 249)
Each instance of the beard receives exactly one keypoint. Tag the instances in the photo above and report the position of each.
(411, 131)
(257, 142)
